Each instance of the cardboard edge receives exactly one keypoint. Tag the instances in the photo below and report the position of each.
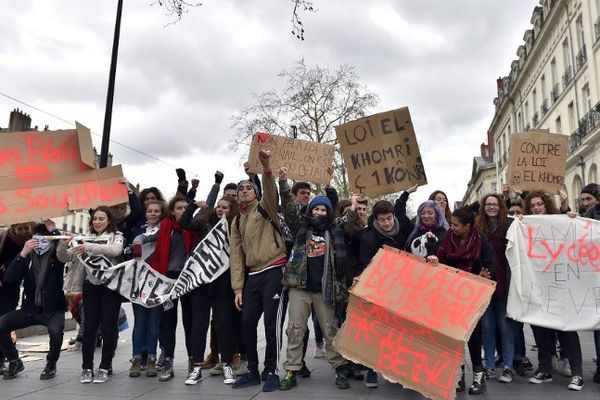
(86, 147)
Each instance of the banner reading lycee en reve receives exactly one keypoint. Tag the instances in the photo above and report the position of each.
(410, 321)
(555, 265)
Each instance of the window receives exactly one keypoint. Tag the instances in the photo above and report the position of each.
(571, 113)
(593, 174)
(566, 55)
(534, 100)
(558, 125)
(526, 112)
(494, 187)
(554, 71)
(579, 31)
(520, 125)
(543, 87)
(586, 96)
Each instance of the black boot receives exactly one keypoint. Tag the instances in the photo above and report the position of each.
(461, 380)
(14, 367)
(49, 371)
(478, 386)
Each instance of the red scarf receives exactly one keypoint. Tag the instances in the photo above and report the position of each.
(458, 255)
(160, 257)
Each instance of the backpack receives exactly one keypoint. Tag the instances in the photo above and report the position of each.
(281, 228)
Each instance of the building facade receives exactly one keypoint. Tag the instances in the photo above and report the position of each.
(554, 84)
(483, 175)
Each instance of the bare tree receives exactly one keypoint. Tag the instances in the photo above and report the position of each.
(314, 100)
(177, 8)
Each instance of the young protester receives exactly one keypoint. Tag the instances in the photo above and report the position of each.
(127, 222)
(492, 222)
(37, 267)
(173, 245)
(150, 194)
(216, 295)
(431, 226)
(385, 228)
(440, 197)
(463, 247)
(101, 304)
(540, 203)
(147, 320)
(258, 254)
(12, 241)
(315, 277)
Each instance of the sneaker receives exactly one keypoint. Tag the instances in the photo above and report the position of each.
(507, 376)
(228, 376)
(241, 368)
(87, 376)
(160, 363)
(2, 367)
(101, 376)
(341, 379)
(490, 373)
(250, 378)
(194, 376)
(217, 369)
(167, 372)
(320, 352)
(576, 383)
(597, 375)
(461, 381)
(210, 361)
(49, 371)
(288, 381)
(271, 383)
(151, 367)
(478, 386)
(563, 367)
(304, 371)
(527, 365)
(358, 372)
(540, 377)
(136, 367)
(14, 367)
(371, 381)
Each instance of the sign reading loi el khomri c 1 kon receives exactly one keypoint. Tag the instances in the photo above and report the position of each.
(141, 284)
(555, 265)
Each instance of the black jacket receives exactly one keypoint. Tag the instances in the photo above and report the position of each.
(54, 299)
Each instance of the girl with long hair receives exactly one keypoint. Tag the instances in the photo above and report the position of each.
(430, 228)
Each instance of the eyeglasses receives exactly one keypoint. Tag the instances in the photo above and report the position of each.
(492, 205)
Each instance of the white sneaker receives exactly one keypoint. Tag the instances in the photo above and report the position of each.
(563, 367)
(87, 376)
(320, 352)
(194, 376)
(228, 376)
(101, 376)
(217, 369)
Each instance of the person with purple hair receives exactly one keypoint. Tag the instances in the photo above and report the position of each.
(430, 228)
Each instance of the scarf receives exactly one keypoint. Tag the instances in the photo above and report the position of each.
(160, 259)
(463, 255)
(391, 234)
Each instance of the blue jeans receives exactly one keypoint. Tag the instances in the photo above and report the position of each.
(145, 330)
(495, 316)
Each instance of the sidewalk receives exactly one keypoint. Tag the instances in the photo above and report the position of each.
(66, 386)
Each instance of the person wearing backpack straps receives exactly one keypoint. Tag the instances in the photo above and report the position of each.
(257, 258)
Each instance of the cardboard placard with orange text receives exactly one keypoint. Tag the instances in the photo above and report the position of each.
(381, 153)
(305, 160)
(47, 174)
(410, 321)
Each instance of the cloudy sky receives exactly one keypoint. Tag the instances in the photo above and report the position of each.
(178, 85)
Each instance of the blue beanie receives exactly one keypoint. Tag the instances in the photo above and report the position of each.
(320, 201)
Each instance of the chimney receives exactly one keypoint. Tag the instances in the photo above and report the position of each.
(19, 121)
(500, 85)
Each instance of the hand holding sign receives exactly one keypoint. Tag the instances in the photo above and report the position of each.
(28, 247)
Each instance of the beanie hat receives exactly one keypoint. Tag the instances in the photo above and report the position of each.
(592, 189)
(249, 182)
(320, 201)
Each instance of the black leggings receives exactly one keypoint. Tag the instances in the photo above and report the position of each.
(9, 299)
(546, 342)
(474, 345)
(102, 306)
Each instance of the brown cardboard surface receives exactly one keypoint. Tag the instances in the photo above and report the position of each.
(61, 195)
(305, 160)
(538, 161)
(381, 153)
(84, 138)
(410, 321)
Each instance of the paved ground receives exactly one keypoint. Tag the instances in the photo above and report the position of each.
(66, 385)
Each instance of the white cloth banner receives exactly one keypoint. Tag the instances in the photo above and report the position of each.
(555, 265)
(138, 282)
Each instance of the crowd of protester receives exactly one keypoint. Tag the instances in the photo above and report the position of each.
(294, 254)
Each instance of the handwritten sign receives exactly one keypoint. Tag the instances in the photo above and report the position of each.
(410, 321)
(381, 153)
(555, 265)
(538, 161)
(52, 173)
(305, 160)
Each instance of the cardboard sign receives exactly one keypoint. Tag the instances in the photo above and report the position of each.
(555, 265)
(538, 161)
(410, 321)
(52, 173)
(381, 153)
(305, 160)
